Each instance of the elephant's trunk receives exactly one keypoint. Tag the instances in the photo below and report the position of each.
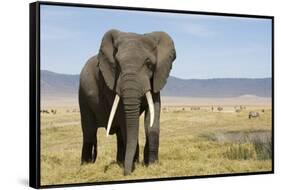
(131, 104)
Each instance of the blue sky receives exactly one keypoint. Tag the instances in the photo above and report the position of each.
(207, 46)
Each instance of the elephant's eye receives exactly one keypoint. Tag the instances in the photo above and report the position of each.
(149, 63)
(115, 50)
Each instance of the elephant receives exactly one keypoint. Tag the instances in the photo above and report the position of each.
(120, 83)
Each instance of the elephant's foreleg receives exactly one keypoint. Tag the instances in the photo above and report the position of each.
(89, 152)
(89, 129)
(152, 133)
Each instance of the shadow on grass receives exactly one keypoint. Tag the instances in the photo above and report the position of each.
(113, 163)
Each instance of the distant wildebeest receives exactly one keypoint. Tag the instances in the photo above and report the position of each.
(53, 111)
(45, 111)
(237, 110)
(75, 110)
(262, 110)
(195, 108)
(220, 108)
(183, 109)
(253, 114)
(242, 107)
(165, 110)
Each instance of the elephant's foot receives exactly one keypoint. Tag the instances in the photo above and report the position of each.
(154, 161)
(88, 161)
(151, 162)
(151, 158)
(89, 153)
(120, 158)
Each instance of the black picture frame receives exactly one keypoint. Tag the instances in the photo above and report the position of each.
(34, 90)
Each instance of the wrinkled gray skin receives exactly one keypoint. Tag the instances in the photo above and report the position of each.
(129, 65)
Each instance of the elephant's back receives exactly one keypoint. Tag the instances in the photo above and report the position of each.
(88, 87)
(89, 70)
(89, 74)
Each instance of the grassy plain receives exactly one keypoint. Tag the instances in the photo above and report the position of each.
(199, 142)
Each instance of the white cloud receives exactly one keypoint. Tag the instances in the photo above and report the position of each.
(49, 32)
(198, 30)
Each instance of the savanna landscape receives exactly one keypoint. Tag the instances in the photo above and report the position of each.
(214, 74)
(199, 136)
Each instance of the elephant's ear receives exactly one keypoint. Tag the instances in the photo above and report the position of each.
(166, 54)
(106, 58)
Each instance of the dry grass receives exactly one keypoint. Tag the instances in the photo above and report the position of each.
(190, 144)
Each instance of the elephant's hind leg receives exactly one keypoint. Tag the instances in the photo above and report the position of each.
(120, 157)
(89, 129)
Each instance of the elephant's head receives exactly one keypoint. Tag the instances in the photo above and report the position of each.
(133, 66)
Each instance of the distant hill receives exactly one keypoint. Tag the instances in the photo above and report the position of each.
(58, 84)
(223, 87)
(53, 84)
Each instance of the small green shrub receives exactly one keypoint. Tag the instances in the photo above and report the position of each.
(240, 151)
(263, 149)
(258, 149)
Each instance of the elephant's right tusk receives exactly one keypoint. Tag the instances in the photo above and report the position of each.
(151, 107)
(112, 113)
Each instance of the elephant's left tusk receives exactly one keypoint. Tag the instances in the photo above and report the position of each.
(112, 113)
(151, 107)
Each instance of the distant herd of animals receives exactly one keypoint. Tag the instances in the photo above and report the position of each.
(237, 109)
(54, 111)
